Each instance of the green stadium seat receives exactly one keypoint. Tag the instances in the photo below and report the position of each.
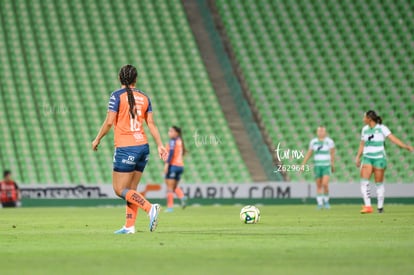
(327, 62)
(63, 58)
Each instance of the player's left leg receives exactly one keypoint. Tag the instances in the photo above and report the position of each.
(379, 183)
(365, 174)
(325, 188)
(180, 194)
(178, 191)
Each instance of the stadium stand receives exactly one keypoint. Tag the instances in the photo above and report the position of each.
(59, 63)
(326, 62)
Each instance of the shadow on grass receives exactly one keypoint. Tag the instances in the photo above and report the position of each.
(230, 232)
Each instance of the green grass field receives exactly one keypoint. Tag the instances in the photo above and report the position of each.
(208, 240)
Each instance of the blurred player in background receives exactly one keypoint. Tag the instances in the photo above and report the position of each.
(174, 167)
(372, 150)
(9, 191)
(128, 109)
(323, 149)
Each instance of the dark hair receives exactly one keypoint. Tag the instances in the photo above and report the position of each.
(179, 131)
(373, 115)
(127, 76)
(6, 173)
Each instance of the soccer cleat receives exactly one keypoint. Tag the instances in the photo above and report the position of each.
(126, 230)
(153, 215)
(327, 205)
(380, 210)
(366, 210)
(319, 207)
(184, 202)
(169, 210)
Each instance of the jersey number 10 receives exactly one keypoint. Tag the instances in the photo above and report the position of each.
(134, 122)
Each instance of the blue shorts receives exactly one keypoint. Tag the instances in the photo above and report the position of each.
(174, 172)
(131, 158)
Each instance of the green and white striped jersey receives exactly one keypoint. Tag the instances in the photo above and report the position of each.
(374, 139)
(321, 151)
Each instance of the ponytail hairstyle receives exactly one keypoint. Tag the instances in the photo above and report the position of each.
(127, 76)
(179, 131)
(374, 116)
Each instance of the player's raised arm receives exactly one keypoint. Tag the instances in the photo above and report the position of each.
(401, 144)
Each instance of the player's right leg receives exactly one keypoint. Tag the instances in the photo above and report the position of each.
(365, 175)
(122, 181)
(131, 210)
(170, 182)
(319, 192)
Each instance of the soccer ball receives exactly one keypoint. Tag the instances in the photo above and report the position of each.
(250, 214)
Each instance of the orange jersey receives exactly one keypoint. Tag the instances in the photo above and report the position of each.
(175, 149)
(129, 131)
(8, 191)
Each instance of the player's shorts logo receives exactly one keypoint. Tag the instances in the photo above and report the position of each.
(129, 161)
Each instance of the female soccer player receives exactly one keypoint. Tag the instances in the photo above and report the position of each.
(372, 150)
(323, 148)
(128, 108)
(174, 167)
